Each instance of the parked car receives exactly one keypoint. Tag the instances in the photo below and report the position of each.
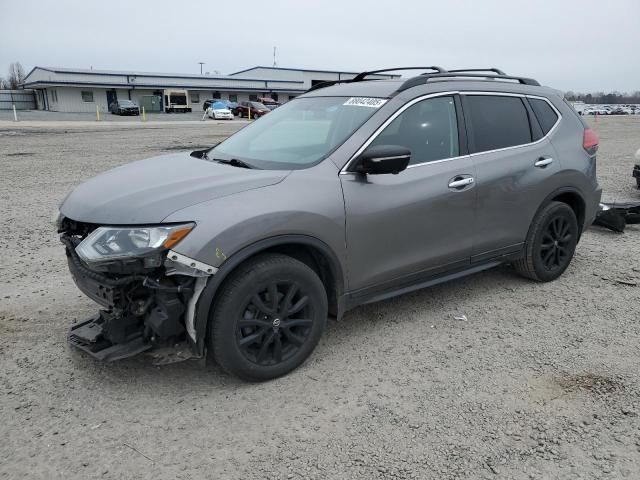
(124, 107)
(349, 194)
(257, 109)
(270, 103)
(219, 111)
(229, 104)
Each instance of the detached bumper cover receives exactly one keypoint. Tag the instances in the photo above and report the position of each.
(616, 216)
(89, 337)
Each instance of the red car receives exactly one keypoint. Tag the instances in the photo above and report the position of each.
(256, 109)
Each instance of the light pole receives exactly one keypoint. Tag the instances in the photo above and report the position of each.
(201, 64)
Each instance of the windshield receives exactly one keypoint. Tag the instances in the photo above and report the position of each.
(126, 103)
(296, 135)
(258, 106)
(219, 106)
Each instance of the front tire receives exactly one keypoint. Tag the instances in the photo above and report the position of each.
(268, 318)
(550, 244)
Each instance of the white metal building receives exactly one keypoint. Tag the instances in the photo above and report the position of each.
(78, 90)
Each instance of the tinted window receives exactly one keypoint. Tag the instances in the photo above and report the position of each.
(498, 122)
(546, 116)
(429, 129)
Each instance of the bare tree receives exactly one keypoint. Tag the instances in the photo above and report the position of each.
(16, 75)
(3, 83)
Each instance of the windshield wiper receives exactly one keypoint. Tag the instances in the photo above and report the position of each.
(234, 162)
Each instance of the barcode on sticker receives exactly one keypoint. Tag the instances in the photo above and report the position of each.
(366, 102)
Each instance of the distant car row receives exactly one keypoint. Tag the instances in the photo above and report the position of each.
(225, 109)
(216, 108)
(607, 109)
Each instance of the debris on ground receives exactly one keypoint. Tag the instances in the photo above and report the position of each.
(616, 216)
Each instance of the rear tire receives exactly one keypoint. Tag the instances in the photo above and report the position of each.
(268, 318)
(550, 244)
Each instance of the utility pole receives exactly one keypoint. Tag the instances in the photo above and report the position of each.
(275, 64)
(201, 64)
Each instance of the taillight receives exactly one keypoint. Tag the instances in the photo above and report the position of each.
(590, 141)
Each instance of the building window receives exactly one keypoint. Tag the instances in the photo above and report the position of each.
(195, 98)
(233, 98)
(87, 96)
(253, 98)
(217, 95)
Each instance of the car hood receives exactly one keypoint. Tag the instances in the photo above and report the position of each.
(147, 191)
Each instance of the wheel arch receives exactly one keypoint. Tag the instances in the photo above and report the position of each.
(570, 196)
(573, 198)
(309, 250)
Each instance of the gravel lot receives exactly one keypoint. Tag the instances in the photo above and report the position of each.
(541, 382)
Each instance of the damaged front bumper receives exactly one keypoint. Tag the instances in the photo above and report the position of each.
(142, 308)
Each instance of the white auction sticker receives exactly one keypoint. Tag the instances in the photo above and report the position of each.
(366, 102)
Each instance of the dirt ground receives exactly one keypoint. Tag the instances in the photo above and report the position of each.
(542, 381)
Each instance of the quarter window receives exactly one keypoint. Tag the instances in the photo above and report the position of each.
(428, 128)
(547, 117)
(497, 121)
(87, 96)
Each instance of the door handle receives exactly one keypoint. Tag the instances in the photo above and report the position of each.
(459, 182)
(543, 162)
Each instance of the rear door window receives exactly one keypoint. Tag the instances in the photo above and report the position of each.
(547, 117)
(497, 122)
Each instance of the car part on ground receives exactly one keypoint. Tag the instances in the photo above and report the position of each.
(338, 180)
(616, 216)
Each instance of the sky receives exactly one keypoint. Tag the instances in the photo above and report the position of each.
(579, 45)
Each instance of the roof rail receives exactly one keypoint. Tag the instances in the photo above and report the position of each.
(422, 79)
(362, 76)
(494, 70)
(438, 73)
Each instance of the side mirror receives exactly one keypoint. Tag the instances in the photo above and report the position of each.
(382, 159)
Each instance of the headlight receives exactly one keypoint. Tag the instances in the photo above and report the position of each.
(111, 243)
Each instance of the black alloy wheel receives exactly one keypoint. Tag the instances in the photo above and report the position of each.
(275, 324)
(556, 244)
(268, 317)
(550, 244)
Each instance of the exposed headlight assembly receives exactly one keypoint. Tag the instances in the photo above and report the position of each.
(113, 243)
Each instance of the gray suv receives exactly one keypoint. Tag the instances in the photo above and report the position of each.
(352, 193)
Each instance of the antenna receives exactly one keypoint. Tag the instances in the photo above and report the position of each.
(275, 64)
